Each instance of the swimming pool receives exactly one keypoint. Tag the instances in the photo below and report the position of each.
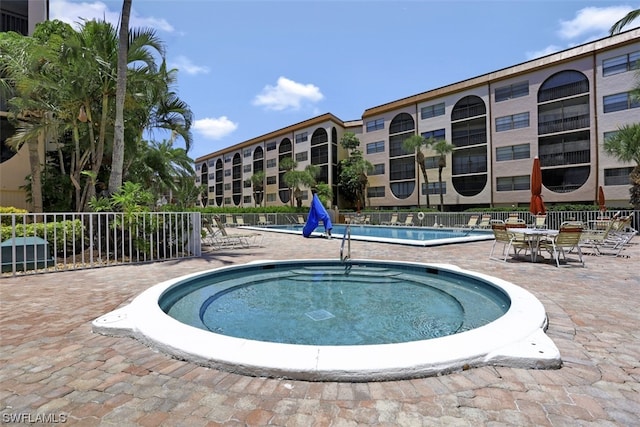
(413, 236)
(515, 339)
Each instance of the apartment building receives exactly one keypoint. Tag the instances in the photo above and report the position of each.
(20, 16)
(560, 107)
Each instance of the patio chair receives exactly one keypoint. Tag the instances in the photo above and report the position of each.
(301, 220)
(222, 238)
(392, 221)
(485, 221)
(473, 222)
(515, 222)
(262, 220)
(567, 240)
(408, 221)
(600, 240)
(508, 240)
(240, 221)
(539, 221)
(215, 238)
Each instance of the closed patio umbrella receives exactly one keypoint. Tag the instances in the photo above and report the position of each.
(601, 199)
(537, 205)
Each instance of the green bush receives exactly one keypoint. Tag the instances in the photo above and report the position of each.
(6, 220)
(59, 234)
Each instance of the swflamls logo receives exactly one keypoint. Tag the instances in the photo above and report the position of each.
(29, 418)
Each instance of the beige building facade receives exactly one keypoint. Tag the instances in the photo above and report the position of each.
(560, 108)
(20, 16)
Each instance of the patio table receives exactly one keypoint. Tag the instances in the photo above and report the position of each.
(533, 236)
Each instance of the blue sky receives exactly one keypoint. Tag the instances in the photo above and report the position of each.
(247, 68)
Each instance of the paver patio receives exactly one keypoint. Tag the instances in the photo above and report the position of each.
(54, 369)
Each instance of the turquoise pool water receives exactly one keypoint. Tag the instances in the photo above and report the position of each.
(416, 236)
(330, 303)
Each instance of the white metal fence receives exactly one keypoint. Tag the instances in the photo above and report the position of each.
(38, 243)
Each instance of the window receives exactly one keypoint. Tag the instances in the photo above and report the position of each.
(246, 199)
(301, 157)
(247, 183)
(434, 188)
(515, 121)
(198, 166)
(375, 125)
(620, 64)
(301, 137)
(227, 200)
(271, 146)
(271, 163)
(515, 90)
(617, 176)
(212, 176)
(512, 183)
(437, 135)
(227, 172)
(271, 197)
(375, 192)
(227, 159)
(378, 169)
(432, 111)
(271, 180)
(512, 152)
(247, 152)
(375, 147)
(619, 102)
(227, 186)
(431, 162)
(246, 168)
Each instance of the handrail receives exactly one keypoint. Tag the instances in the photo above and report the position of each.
(346, 236)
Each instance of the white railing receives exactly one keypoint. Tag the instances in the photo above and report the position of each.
(38, 243)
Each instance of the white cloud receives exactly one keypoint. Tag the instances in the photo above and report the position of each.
(592, 22)
(214, 128)
(76, 13)
(184, 64)
(287, 94)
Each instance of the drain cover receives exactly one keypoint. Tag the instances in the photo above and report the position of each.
(319, 315)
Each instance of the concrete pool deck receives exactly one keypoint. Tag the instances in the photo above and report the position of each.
(52, 365)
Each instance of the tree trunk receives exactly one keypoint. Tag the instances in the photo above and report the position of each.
(36, 173)
(420, 158)
(117, 161)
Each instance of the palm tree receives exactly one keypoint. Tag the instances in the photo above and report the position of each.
(257, 183)
(117, 157)
(414, 144)
(617, 27)
(624, 145)
(443, 148)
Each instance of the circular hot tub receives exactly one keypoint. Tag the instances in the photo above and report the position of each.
(360, 320)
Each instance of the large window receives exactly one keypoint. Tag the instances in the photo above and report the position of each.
(301, 137)
(513, 183)
(271, 163)
(375, 192)
(378, 169)
(373, 125)
(621, 64)
(302, 157)
(512, 152)
(562, 85)
(375, 147)
(432, 111)
(438, 134)
(435, 187)
(515, 121)
(271, 146)
(617, 176)
(619, 102)
(515, 90)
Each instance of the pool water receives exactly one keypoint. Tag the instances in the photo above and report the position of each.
(416, 236)
(351, 304)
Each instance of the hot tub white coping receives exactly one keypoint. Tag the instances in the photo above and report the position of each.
(517, 339)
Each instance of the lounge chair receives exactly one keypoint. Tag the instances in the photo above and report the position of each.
(567, 240)
(473, 222)
(392, 221)
(262, 220)
(240, 221)
(408, 221)
(508, 240)
(514, 222)
(221, 238)
(301, 220)
(485, 221)
(215, 238)
(601, 241)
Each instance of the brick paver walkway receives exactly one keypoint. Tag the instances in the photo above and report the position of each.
(54, 369)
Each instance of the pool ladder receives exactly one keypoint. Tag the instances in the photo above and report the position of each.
(346, 237)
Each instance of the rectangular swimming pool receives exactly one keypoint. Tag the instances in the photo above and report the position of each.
(414, 236)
